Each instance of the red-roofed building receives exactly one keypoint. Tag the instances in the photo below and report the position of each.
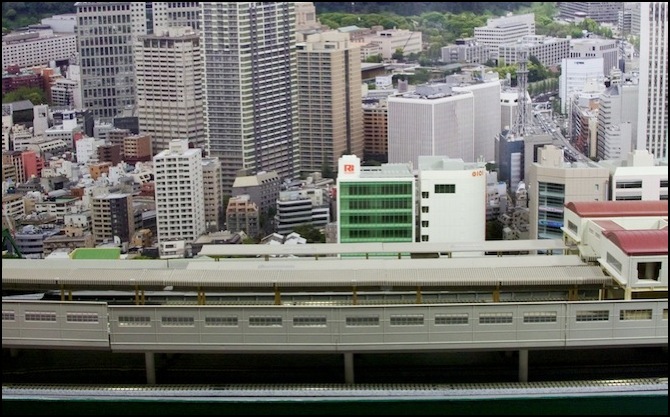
(640, 242)
(631, 208)
(629, 239)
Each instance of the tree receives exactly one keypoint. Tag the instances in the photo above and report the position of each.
(375, 58)
(34, 94)
(399, 55)
(494, 230)
(310, 233)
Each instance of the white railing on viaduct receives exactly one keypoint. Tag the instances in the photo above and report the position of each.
(324, 329)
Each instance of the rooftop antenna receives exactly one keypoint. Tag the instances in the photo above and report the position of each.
(521, 122)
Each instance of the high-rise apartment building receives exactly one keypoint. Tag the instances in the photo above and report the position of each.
(251, 99)
(375, 130)
(211, 178)
(179, 191)
(169, 87)
(166, 14)
(330, 111)
(652, 133)
(106, 32)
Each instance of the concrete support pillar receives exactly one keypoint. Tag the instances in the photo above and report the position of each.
(277, 296)
(523, 365)
(628, 293)
(151, 367)
(348, 368)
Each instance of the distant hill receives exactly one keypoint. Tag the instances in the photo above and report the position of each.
(17, 14)
(418, 7)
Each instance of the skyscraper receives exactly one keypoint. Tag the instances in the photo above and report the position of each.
(105, 32)
(105, 35)
(169, 87)
(652, 133)
(251, 116)
(331, 114)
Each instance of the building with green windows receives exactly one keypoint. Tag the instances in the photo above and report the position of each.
(375, 204)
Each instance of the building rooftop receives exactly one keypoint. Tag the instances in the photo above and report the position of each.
(96, 253)
(618, 208)
(640, 242)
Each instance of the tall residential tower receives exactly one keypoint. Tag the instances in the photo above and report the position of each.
(251, 116)
(331, 114)
(169, 87)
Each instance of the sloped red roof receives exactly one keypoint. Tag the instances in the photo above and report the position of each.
(628, 208)
(608, 224)
(640, 242)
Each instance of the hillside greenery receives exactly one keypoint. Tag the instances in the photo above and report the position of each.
(440, 23)
(419, 7)
(16, 14)
(19, 14)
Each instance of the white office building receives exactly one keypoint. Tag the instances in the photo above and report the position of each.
(589, 48)
(432, 120)
(391, 40)
(486, 89)
(30, 49)
(638, 177)
(308, 206)
(179, 191)
(453, 200)
(548, 51)
(576, 73)
(61, 23)
(652, 133)
(504, 30)
(617, 119)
